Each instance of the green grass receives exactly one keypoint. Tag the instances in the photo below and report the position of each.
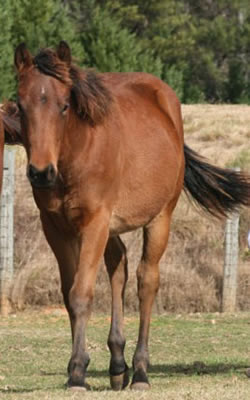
(192, 357)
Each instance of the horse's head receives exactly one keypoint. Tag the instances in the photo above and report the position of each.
(49, 88)
(44, 93)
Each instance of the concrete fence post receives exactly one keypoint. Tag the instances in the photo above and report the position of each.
(6, 230)
(231, 263)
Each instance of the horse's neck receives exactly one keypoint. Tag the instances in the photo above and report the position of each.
(76, 141)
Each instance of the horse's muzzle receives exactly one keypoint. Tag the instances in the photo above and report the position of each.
(43, 179)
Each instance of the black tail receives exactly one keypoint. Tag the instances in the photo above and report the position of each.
(217, 190)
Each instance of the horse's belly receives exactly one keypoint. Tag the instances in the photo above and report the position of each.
(139, 204)
(129, 217)
(120, 225)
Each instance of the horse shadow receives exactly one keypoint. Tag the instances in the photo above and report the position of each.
(159, 371)
(195, 368)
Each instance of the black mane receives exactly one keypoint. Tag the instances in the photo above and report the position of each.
(91, 98)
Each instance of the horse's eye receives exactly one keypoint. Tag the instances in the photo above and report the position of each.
(64, 108)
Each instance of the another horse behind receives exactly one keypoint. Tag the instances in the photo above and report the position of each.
(10, 130)
(105, 156)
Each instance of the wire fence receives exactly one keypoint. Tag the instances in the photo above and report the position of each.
(6, 230)
(195, 270)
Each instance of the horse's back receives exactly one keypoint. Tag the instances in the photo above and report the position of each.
(138, 88)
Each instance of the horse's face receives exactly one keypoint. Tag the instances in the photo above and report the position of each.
(43, 103)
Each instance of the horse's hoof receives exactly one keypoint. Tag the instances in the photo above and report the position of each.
(77, 388)
(119, 382)
(140, 386)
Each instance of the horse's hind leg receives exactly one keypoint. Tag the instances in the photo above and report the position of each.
(155, 242)
(116, 263)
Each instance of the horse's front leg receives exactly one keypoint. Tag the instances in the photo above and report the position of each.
(94, 239)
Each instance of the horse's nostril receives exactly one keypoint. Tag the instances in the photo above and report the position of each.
(32, 172)
(41, 178)
(51, 172)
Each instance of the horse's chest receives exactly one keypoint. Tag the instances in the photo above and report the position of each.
(61, 205)
(47, 200)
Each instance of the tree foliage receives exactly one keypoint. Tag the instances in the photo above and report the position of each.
(6, 53)
(200, 47)
(40, 23)
(111, 47)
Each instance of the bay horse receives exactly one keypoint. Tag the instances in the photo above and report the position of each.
(10, 130)
(106, 155)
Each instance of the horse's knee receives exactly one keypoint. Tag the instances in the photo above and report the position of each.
(148, 278)
(79, 303)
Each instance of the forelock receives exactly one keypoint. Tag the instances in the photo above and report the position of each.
(49, 63)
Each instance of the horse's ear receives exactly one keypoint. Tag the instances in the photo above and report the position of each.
(23, 58)
(64, 52)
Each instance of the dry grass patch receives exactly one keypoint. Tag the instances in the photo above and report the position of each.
(225, 129)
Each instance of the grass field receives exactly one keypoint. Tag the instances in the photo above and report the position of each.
(196, 356)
